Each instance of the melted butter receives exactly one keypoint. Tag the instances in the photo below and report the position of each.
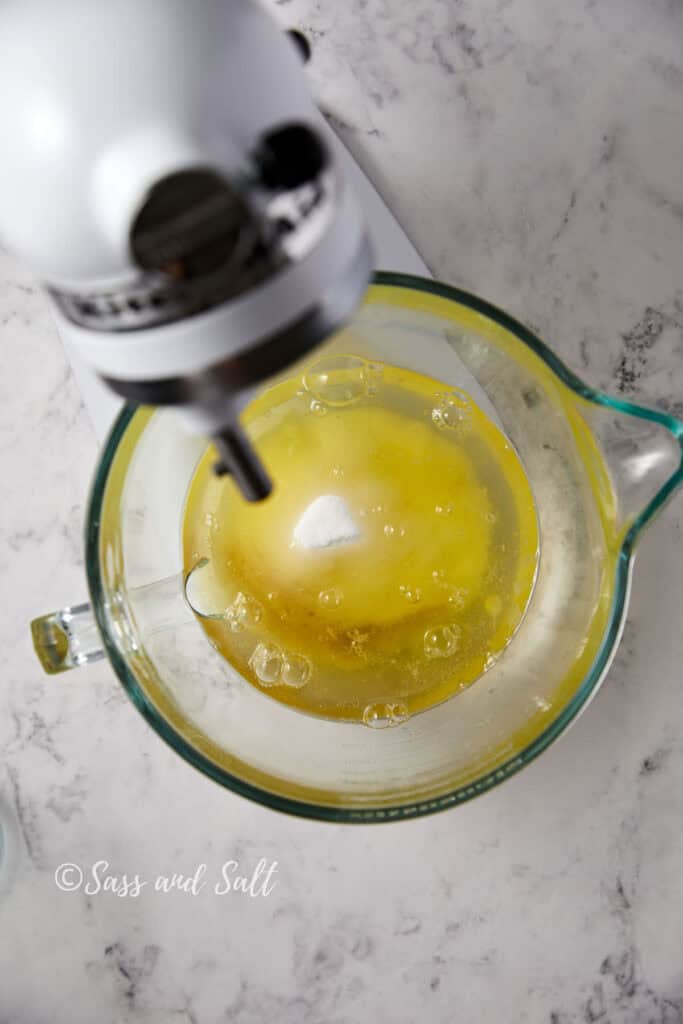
(395, 558)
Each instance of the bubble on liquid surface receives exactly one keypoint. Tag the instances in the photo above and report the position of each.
(358, 641)
(442, 641)
(266, 663)
(413, 595)
(382, 716)
(456, 596)
(542, 704)
(296, 671)
(373, 374)
(331, 598)
(452, 411)
(317, 408)
(389, 530)
(444, 510)
(337, 380)
(243, 613)
(338, 472)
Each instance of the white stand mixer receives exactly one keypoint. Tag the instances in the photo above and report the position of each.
(189, 212)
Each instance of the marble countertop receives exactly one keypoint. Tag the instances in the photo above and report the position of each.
(533, 153)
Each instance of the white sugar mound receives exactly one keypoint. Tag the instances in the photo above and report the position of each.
(326, 523)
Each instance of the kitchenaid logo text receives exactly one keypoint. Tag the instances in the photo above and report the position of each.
(98, 879)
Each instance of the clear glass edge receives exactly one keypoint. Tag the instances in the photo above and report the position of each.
(417, 808)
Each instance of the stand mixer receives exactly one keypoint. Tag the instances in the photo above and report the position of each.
(171, 183)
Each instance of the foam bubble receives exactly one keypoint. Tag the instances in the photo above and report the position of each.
(442, 641)
(266, 663)
(296, 671)
(452, 411)
(382, 716)
(373, 374)
(337, 380)
(331, 598)
(456, 596)
(243, 613)
(358, 641)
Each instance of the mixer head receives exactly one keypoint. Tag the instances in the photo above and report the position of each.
(171, 183)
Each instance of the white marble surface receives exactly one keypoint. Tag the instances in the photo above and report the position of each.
(534, 154)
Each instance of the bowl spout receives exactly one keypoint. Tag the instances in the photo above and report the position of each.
(642, 450)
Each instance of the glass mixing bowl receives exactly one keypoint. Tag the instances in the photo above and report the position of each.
(599, 469)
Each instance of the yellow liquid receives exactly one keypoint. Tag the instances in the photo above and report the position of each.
(419, 587)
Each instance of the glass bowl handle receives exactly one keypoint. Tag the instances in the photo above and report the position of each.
(67, 639)
(71, 637)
